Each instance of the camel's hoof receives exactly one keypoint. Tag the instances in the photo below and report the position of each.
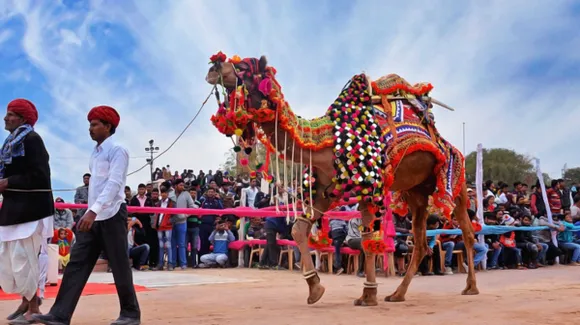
(470, 292)
(365, 303)
(394, 298)
(316, 293)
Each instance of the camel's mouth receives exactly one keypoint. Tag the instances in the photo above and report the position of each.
(213, 77)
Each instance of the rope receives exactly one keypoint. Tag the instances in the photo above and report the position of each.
(180, 135)
(277, 160)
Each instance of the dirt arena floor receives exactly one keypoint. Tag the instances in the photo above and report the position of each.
(242, 296)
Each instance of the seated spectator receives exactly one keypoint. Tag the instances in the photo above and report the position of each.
(354, 241)
(275, 227)
(529, 245)
(402, 226)
(448, 243)
(63, 218)
(255, 229)
(566, 240)
(493, 241)
(63, 237)
(338, 236)
(545, 236)
(162, 223)
(479, 248)
(512, 254)
(138, 253)
(433, 253)
(220, 238)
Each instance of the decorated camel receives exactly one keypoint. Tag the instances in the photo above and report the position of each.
(376, 137)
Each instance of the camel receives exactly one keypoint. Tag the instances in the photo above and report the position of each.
(415, 175)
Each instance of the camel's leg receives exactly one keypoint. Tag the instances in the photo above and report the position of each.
(300, 232)
(468, 239)
(369, 296)
(418, 206)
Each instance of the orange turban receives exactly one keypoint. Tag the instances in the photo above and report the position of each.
(24, 108)
(105, 113)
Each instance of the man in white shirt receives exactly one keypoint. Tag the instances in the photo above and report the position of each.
(102, 227)
(251, 192)
(26, 214)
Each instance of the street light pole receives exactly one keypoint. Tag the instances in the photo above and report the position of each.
(151, 150)
(464, 138)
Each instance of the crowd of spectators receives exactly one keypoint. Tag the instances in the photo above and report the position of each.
(169, 241)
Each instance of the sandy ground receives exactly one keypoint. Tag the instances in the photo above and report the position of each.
(548, 295)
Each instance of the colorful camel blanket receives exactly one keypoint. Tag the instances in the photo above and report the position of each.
(367, 151)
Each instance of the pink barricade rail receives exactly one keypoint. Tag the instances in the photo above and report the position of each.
(240, 212)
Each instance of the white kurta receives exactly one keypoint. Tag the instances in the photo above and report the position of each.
(20, 246)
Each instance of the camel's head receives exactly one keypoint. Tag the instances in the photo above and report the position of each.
(248, 84)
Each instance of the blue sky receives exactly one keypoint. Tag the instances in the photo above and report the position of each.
(510, 68)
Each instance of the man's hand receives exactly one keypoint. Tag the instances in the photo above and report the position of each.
(539, 247)
(429, 251)
(3, 184)
(86, 221)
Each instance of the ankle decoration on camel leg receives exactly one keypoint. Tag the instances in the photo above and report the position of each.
(309, 274)
(371, 285)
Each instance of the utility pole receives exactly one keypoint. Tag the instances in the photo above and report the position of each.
(464, 138)
(151, 150)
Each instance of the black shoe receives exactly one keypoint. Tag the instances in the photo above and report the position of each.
(49, 319)
(126, 321)
(17, 313)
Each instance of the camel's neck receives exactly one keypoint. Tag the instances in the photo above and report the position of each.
(296, 136)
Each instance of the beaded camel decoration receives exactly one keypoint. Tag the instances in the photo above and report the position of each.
(376, 137)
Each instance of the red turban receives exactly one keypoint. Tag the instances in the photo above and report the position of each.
(105, 113)
(24, 108)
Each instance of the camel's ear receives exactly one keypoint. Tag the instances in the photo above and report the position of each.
(263, 64)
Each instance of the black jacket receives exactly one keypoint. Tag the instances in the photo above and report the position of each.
(30, 172)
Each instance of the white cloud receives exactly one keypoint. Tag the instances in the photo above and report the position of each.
(472, 54)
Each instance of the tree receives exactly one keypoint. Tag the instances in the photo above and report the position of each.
(572, 175)
(500, 164)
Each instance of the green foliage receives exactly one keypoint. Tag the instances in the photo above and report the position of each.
(500, 164)
(572, 175)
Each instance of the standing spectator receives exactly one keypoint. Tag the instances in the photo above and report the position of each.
(82, 196)
(193, 222)
(63, 218)
(201, 179)
(564, 195)
(251, 193)
(209, 201)
(162, 224)
(555, 200)
(179, 222)
(209, 177)
(537, 206)
(128, 195)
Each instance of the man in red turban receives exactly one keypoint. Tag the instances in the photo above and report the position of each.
(26, 216)
(105, 114)
(102, 228)
(25, 109)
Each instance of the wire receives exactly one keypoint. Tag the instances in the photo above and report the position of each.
(180, 135)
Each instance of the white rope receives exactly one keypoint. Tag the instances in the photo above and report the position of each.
(301, 169)
(277, 160)
(285, 185)
(311, 185)
(292, 180)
